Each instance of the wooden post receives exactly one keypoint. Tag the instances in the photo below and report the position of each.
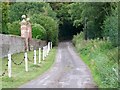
(9, 66)
(35, 57)
(26, 62)
(39, 55)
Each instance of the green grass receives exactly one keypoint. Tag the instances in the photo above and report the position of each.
(102, 59)
(102, 69)
(19, 76)
(0, 74)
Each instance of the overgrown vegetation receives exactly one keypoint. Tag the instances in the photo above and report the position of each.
(98, 43)
(101, 57)
(19, 76)
(110, 26)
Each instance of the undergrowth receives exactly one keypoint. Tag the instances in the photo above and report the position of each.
(102, 59)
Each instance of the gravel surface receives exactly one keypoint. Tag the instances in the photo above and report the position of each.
(68, 71)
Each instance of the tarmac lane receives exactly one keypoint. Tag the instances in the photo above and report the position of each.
(68, 71)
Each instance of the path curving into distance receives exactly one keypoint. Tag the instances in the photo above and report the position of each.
(68, 71)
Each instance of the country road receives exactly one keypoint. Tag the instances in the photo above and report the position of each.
(68, 71)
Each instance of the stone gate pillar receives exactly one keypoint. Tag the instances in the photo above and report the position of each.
(29, 30)
(24, 32)
(24, 27)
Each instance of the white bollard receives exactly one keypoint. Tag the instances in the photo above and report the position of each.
(39, 55)
(43, 55)
(51, 45)
(45, 51)
(48, 48)
(9, 66)
(26, 62)
(35, 57)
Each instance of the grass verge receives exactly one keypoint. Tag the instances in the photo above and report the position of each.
(19, 76)
(102, 59)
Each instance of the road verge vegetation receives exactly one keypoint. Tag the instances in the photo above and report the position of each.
(19, 76)
(102, 59)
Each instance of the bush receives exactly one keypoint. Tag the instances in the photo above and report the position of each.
(14, 28)
(38, 32)
(50, 26)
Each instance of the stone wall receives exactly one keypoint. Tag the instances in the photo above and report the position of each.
(16, 44)
(36, 44)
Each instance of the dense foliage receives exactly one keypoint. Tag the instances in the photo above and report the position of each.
(98, 44)
(92, 18)
(38, 32)
(16, 10)
(110, 27)
(4, 19)
(97, 20)
(0, 18)
(102, 59)
(49, 24)
(91, 15)
(14, 28)
(39, 12)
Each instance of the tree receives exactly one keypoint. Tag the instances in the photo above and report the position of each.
(95, 14)
(5, 6)
(110, 26)
(14, 28)
(16, 10)
(50, 25)
(0, 18)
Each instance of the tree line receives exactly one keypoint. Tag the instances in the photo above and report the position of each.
(95, 19)
(42, 17)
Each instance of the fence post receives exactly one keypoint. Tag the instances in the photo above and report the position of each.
(43, 53)
(26, 62)
(48, 47)
(46, 51)
(9, 65)
(34, 56)
(39, 55)
(51, 45)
